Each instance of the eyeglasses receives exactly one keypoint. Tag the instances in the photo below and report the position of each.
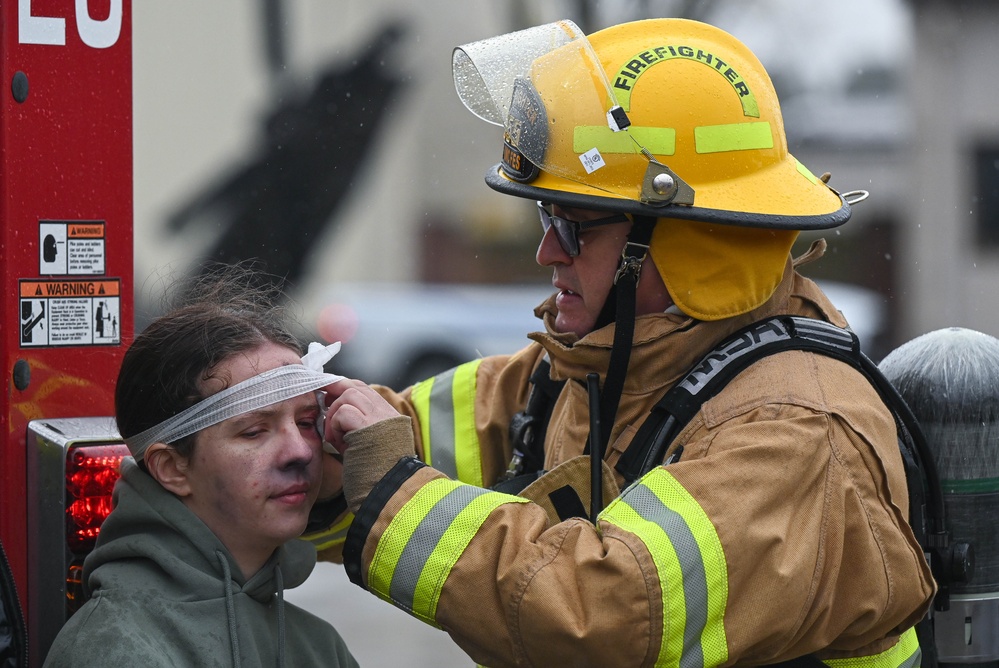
(567, 231)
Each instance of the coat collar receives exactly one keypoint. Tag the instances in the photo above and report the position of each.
(666, 345)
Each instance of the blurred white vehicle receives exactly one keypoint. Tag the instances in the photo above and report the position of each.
(398, 333)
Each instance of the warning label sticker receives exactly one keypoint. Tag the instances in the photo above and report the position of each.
(70, 312)
(71, 247)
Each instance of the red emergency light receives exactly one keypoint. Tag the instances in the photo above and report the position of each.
(91, 472)
(73, 464)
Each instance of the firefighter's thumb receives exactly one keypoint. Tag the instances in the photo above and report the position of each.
(371, 452)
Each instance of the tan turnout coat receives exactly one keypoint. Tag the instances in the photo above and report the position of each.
(795, 465)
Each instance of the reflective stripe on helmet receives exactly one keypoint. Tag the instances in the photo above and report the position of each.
(733, 137)
(806, 172)
(445, 405)
(903, 654)
(425, 539)
(691, 565)
(659, 141)
(662, 141)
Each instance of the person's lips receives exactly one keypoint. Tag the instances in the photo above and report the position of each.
(564, 288)
(293, 494)
(565, 296)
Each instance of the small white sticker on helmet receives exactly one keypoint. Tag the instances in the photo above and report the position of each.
(592, 160)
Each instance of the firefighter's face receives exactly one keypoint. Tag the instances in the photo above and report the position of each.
(584, 281)
(254, 477)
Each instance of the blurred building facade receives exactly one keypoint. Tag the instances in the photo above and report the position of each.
(887, 96)
(952, 189)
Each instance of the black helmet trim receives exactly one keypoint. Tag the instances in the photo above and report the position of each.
(516, 166)
(500, 183)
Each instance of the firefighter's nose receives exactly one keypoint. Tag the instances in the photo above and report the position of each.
(550, 251)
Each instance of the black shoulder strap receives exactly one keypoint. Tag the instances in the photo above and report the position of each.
(714, 371)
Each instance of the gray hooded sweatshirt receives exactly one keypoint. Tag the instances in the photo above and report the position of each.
(166, 592)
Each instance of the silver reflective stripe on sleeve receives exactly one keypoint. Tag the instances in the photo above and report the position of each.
(690, 564)
(442, 424)
(695, 586)
(425, 539)
(445, 407)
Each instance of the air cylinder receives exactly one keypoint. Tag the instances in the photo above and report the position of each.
(950, 380)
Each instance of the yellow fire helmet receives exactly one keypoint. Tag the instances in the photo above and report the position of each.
(670, 119)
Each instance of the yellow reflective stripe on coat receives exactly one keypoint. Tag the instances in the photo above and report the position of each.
(445, 405)
(904, 654)
(327, 538)
(424, 540)
(690, 562)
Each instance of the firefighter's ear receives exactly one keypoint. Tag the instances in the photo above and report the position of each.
(169, 468)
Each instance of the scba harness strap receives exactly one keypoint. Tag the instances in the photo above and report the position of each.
(715, 370)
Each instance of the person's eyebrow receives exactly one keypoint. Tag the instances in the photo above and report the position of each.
(251, 416)
(269, 411)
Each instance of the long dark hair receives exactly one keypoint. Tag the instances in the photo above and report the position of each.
(227, 310)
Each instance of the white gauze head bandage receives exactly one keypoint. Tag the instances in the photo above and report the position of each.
(270, 387)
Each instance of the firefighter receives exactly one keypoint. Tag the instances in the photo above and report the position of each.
(774, 527)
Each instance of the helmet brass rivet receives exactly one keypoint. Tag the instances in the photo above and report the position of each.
(663, 184)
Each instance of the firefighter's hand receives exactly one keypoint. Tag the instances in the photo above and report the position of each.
(353, 405)
(332, 477)
(371, 434)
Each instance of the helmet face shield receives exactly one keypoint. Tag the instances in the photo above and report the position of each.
(485, 71)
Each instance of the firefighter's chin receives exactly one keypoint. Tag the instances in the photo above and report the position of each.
(573, 317)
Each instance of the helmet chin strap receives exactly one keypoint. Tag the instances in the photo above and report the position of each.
(621, 302)
(608, 313)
